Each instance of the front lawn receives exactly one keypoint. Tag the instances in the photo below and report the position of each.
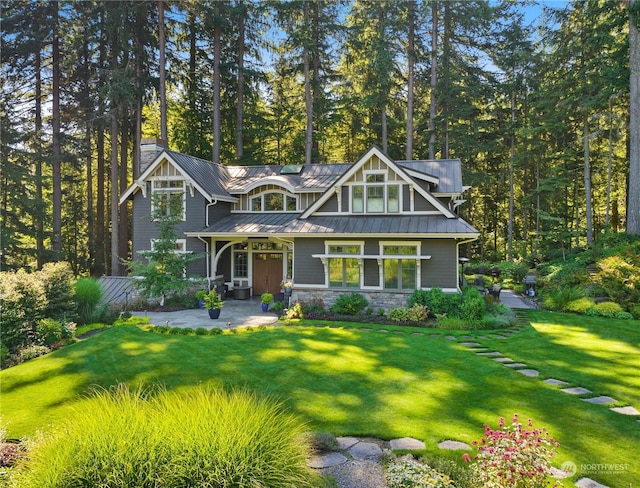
(349, 381)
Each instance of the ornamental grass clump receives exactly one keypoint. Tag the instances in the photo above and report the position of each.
(157, 438)
(513, 456)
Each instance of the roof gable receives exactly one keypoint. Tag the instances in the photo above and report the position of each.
(385, 162)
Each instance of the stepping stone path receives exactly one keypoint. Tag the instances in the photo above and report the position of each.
(470, 344)
(515, 365)
(489, 354)
(454, 445)
(406, 443)
(599, 400)
(528, 372)
(589, 483)
(626, 410)
(577, 390)
(502, 360)
(553, 381)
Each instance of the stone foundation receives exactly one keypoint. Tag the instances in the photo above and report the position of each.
(377, 299)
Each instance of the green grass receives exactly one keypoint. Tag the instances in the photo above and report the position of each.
(386, 384)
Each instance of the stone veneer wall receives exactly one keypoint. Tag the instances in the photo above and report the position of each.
(377, 299)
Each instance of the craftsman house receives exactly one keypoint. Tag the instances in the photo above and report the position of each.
(380, 227)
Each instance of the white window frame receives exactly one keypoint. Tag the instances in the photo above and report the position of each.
(285, 195)
(365, 185)
(166, 191)
(329, 255)
(417, 256)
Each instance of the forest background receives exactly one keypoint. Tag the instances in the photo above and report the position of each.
(540, 109)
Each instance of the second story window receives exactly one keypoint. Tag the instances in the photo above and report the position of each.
(274, 202)
(375, 195)
(168, 197)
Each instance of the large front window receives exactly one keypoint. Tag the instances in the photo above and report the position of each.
(400, 267)
(168, 198)
(344, 272)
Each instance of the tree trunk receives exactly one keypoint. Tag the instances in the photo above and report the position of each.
(100, 266)
(56, 149)
(123, 231)
(217, 50)
(161, 69)
(240, 101)
(39, 154)
(633, 191)
(315, 84)
(587, 179)
(434, 79)
(115, 259)
(410, 66)
(308, 139)
(511, 182)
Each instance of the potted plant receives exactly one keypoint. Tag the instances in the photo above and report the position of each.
(213, 303)
(266, 298)
(200, 297)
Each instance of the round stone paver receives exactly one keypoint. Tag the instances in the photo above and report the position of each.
(454, 445)
(365, 450)
(406, 443)
(327, 460)
(589, 483)
(346, 442)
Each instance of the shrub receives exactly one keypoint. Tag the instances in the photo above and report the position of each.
(22, 301)
(407, 472)
(49, 331)
(58, 284)
(350, 304)
(559, 298)
(619, 276)
(473, 306)
(26, 353)
(608, 309)
(624, 316)
(87, 296)
(295, 312)
(513, 456)
(313, 307)
(277, 307)
(451, 322)
(635, 311)
(215, 331)
(437, 301)
(201, 331)
(197, 437)
(187, 331)
(399, 314)
(581, 305)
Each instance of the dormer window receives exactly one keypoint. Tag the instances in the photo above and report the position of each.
(375, 195)
(274, 202)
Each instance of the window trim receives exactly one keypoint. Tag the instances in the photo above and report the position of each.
(285, 195)
(167, 191)
(366, 185)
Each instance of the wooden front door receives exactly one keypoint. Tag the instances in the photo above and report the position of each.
(267, 272)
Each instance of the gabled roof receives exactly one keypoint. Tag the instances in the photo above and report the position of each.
(375, 151)
(445, 173)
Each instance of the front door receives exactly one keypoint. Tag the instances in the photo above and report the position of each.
(267, 272)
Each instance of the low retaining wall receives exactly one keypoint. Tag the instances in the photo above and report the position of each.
(377, 299)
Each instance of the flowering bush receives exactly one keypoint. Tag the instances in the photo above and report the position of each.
(286, 284)
(410, 473)
(513, 456)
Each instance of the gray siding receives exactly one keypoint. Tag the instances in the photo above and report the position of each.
(346, 204)
(330, 205)
(145, 230)
(421, 204)
(306, 269)
(441, 270)
(406, 198)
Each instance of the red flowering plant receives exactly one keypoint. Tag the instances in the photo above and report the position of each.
(514, 456)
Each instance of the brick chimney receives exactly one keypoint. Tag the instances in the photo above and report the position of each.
(149, 150)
